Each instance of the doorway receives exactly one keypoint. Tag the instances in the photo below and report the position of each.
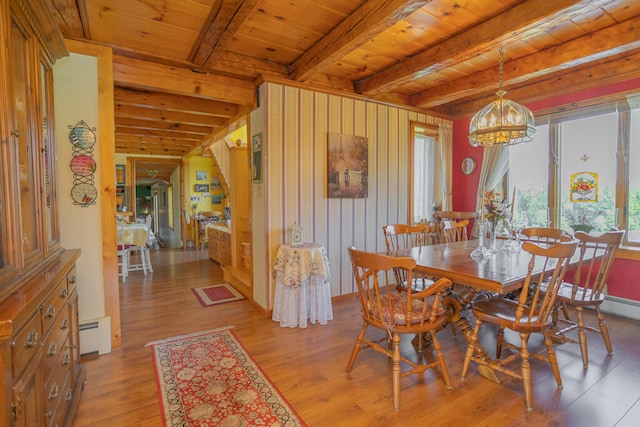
(152, 179)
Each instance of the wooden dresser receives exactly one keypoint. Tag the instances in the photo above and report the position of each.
(40, 349)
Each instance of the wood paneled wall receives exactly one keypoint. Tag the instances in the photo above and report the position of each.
(296, 124)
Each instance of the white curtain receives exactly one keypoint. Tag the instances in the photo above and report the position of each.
(495, 163)
(446, 159)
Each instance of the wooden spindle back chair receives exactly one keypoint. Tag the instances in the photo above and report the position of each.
(545, 235)
(403, 236)
(524, 316)
(454, 231)
(586, 289)
(456, 216)
(396, 313)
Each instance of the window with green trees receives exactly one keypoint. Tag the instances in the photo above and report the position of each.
(600, 143)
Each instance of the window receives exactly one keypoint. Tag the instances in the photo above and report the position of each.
(424, 146)
(633, 213)
(600, 146)
(532, 178)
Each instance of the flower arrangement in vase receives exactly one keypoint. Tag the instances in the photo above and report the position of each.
(495, 213)
(496, 208)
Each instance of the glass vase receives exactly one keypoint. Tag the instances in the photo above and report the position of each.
(491, 239)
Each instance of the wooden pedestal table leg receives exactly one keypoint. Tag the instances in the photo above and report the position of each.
(453, 306)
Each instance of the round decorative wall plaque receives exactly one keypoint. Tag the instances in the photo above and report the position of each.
(83, 165)
(468, 166)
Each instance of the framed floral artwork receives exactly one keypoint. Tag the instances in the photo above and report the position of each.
(584, 187)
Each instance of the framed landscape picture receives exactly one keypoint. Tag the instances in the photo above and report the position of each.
(347, 168)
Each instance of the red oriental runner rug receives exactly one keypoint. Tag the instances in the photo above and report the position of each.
(209, 379)
(216, 294)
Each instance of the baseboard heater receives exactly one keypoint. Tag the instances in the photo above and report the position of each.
(95, 336)
(621, 307)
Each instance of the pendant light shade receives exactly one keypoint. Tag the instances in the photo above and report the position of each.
(502, 121)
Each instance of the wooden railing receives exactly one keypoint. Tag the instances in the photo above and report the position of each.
(220, 151)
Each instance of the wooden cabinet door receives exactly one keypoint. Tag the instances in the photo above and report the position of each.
(27, 403)
(24, 139)
(48, 154)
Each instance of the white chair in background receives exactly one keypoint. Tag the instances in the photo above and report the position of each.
(123, 249)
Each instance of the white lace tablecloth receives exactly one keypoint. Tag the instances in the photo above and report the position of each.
(303, 290)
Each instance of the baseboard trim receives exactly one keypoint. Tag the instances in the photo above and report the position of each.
(622, 307)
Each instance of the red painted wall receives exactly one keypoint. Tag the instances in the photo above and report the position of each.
(621, 282)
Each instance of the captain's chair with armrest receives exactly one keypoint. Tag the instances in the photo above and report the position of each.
(453, 231)
(586, 289)
(545, 235)
(524, 316)
(456, 217)
(396, 313)
(403, 236)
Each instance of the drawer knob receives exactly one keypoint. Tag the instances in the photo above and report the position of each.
(73, 279)
(51, 312)
(53, 393)
(64, 293)
(53, 349)
(65, 324)
(16, 409)
(69, 396)
(66, 360)
(32, 339)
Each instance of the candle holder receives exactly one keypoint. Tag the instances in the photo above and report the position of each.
(484, 243)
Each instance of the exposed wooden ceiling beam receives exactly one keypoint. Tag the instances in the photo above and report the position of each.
(596, 46)
(130, 111)
(223, 23)
(608, 71)
(532, 15)
(227, 63)
(134, 73)
(155, 124)
(149, 150)
(174, 102)
(371, 19)
(133, 131)
(72, 18)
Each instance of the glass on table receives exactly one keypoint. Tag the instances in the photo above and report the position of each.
(519, 222)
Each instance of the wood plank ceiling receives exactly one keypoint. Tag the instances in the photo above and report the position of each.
(185, 68)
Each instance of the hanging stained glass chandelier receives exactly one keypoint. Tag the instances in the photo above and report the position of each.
(502, 121)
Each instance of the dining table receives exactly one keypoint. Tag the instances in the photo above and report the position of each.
(135, 233)
(474, 277)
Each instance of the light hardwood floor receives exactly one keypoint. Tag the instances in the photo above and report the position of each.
(308, 365)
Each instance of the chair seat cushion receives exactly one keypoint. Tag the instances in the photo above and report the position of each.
(420, 283)
(399, 304)
(582, 296)
(502, 311)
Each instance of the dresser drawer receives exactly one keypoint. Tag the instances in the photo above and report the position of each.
(57, 418)
(54, 389)
(26, 344)
(54, 305)
(55, 344)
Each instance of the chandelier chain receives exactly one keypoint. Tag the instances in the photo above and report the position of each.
(500, 72)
